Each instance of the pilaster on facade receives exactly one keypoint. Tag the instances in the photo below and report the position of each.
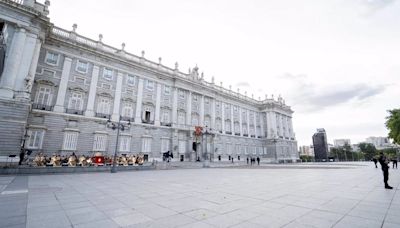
(255, 124)
(175, 107)
(12, 64)
(138, 114)
(262, 133)
(158, 105)
(189, 109)
(248, 123)
(62, 89)
(117, 98)
(223, 117)
(240, 121)
(232, 123)
(92, 92)
(201, 123)
(213, 113)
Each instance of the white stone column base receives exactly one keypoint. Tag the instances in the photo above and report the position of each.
(115, 117)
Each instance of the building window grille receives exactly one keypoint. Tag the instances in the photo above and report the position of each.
(124, 145)
(103, 106)
(130, 80)
(127, 110)
(181, 118)
(146, 145)
(35, 139)
(164, 145)
(149, 85)
(82, 67)
(181, 94)
(70, 140)
(76, 101)
(44, 95)
(99, 142)
(108, 74)
(52, 58)
(167, 90)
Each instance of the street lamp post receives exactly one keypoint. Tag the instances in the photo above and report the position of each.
(119, 126)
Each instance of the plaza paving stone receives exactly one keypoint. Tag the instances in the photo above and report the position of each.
(295, 195)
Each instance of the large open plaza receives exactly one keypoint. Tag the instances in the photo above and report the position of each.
(292, 195)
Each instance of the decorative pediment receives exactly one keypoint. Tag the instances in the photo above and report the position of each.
(128, 99)
(104, 94)
(148, 103)
(45, 82)
(77, 89)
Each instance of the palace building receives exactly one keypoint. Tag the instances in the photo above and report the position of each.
(58, 89)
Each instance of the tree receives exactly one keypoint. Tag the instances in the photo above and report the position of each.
(393, 124)
(368, 149)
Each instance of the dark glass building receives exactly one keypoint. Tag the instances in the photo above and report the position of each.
(320, 145)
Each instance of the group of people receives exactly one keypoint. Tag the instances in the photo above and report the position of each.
(73, 160)
(384, 162)
(253, 160)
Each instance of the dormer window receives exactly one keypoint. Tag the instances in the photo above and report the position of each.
(82, 67)
(167, 90)
(108, 74)
(52, 58)
(181, 94)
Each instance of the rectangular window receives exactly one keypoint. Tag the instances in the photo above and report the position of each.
(181, 94)
(108, 74)
(44, 95)
(164, 145)
(70, 140)
(127, 110)
(124, 144)
(146, 145)
(167, 90)
(165, 117)
(82, 67)
(181, 118)
(76, 101)
(130, 80)
(35, 139)
(149, 85)
(52, 58)
(99, 142)
(103, 106)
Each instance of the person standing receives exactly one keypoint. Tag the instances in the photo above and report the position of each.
(258, 160)
(385, 169)
(394, 160)
(247, 160)
(21, 156)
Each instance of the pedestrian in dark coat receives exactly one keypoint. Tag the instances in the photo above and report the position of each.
(258, 160)
(394, 161)
(385, 169)
(375, 161)
(247, 160)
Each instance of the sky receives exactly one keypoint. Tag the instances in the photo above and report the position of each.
(335, 62)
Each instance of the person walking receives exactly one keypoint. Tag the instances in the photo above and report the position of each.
(258, 160)
(394, 161)
(247, 160)
(375, 161)
(21, 156)
(385, 169)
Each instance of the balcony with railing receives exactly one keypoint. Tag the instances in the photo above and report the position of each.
(103, 115)
(74, 111)
(42, 107)
(166, 124)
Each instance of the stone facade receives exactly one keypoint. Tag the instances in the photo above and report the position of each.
(58, 89)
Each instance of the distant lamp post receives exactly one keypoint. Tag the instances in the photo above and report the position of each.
(119, 126)
(207, 132)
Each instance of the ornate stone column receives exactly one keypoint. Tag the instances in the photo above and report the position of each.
(175, 107)
(117, 97)
(12, 64)
(139, 99)
(189, 109)
(262, 124)
(92, 92)
(62, 87)
(158, 105)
